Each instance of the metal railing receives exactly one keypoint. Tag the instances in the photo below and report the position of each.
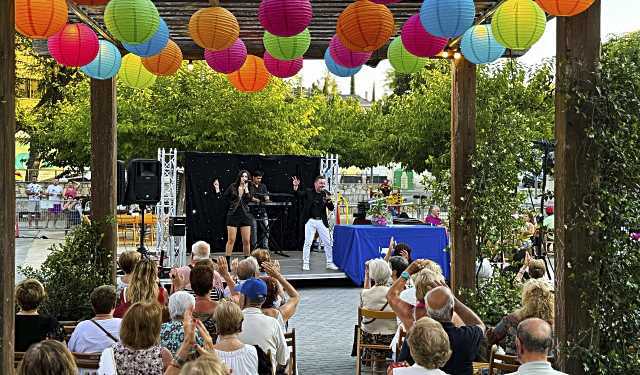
(46, 215)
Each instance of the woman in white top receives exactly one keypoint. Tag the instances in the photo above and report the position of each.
(273, 305)
(429, 346)
(241, 358)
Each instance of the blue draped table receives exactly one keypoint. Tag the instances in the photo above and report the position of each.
(353, 245)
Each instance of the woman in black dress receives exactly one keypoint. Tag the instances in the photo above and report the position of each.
(238, 216)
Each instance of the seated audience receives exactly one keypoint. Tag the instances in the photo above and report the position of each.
(101, 332)
(200, 278)
(47, 358)
(241, 358)
(172, 333)
(533, 343)
(429, 347)
(398, 249)
(30, 325)
(262, 256)
(258, 328)
(206, 364)
(144, 287)
(398, 265)
(433, 218)
(537, 302)
(139, 350)
(200, 252)
(273, 305)
(127, 261)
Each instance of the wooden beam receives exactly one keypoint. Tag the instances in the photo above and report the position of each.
(7, 183)
(103, 160)
(463, 143)
(578, 53)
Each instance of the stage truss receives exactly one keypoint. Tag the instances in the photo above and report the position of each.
(330, 168)
(173, 246)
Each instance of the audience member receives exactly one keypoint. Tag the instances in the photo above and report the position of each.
(430, 348)
(101, 332)
(139, 350)
(534, 341)
(30, 325)
(398, 265)
(48, 357)
(433, 218)
(144, 287)
(537, 302)
(262, 256)
(206, 364)
(200, 252)
(241, 358)
(273, 305)
(533, 268)
(172, 333)
(247, 269)
(398, 249)
(200, 278)
(127, 262)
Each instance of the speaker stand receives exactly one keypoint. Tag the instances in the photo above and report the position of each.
(141, 249)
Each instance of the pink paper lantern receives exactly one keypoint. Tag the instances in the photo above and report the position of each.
(282, 68)
(285, 17)
(346, 57)
(75, 45)
(418, 41)
(227, 60)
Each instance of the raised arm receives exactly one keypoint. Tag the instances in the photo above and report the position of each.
(403, 310)
(291, 306)
(390, 250)
(223, 269)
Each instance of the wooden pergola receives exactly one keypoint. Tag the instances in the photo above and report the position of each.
(578, 52)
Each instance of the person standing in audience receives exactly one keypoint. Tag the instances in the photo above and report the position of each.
(30, 325)
(241, 358)
(172, 333)
(34, 193)
(46, 358)
(429, 346)
(127, 262)
(274, 306)
(533, 343)
(144, 287)
(54, 194)
(101, 332)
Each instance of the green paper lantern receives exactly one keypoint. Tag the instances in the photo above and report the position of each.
(287, 47)
(133, 73)
(132, 21)
(402, 60)
(518, 24)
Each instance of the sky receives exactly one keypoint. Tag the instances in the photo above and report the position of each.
(618, 17)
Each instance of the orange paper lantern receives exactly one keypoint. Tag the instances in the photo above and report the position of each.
(253, 76)
(167, 62)
(214, 28)
(565, 8)
(40, 19)
(365, 26)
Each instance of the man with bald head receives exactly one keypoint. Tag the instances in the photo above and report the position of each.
(533, 342)
(464, 340)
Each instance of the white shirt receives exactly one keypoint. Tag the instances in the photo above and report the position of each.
(34, 190)
(55, 192)
(417, 370)
(87, 338)
(537, 368)
(264, 331)
(243, 361)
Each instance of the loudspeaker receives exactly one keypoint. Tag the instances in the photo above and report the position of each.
(143, 181)
(121, 182)
(178, 226)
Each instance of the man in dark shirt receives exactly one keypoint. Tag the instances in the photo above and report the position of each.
(259, 194)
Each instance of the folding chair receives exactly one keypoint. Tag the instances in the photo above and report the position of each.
(505, 363)
(290, 337)
(370, 314)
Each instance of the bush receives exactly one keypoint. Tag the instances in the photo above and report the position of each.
(494, 298)
(71, 271)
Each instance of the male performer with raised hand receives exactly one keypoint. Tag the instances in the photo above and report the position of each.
(315, 203)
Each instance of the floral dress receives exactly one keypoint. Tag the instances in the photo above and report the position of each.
(172, 336)
(138, 362)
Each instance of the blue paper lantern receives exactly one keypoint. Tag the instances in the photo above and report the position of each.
(339, 70)
(106, 64)
(447, 18)
(479, 46)
(154, 45)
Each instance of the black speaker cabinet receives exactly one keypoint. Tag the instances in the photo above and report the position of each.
(178, 226)
(121, 181)
(143, 181)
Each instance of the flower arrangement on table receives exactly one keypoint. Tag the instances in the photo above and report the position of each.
(380, 214)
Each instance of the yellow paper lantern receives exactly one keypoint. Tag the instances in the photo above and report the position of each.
(167, 62)
(214, 28)
(518, 24)
(133, 74)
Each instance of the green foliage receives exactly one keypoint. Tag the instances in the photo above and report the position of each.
(71, 271)
(494, 298)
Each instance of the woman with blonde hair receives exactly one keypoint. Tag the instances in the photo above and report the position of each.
(206, 364)
(144, 287)
(47, 358)
(241, 358)
(537, 302)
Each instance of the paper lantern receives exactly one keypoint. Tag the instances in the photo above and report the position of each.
(154, 45)
(133, 74)
(402, 60)
(418, 41)
(282, 68)
(91, 2)
(518, 24)
(447, 18)
(336, 69)
(106, 64)
(565, 8)
(166, 62)
(479, 46)
(214, 28)
(346, 57)
(227, 60)
(75, 45)
(287, 47)
(365, 26)
(285, 17)
(251, 77)
(40, 19)
(132, 21)
(385, 2)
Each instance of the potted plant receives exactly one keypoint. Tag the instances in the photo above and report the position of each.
(380, 214)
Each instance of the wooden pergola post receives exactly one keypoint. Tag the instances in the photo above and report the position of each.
(578, 53)
(103, 160)
(7, 183)
(463, 143)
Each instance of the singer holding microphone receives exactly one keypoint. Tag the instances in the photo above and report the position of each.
(238, 215)
(315, 203)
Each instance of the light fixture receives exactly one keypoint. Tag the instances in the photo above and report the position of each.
(444, 54)
(457, 55)
(190, 66)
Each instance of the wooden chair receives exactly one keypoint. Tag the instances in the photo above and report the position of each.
(68, 331)
(370, 314)
(126, 224)
(401, 337)
(17, 358)
(505, 363)
(290, 337)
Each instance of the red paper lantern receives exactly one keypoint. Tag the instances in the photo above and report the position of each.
(167, 62)
(75, 45)
(40, 19)
(282, 68)
(565, 8)
(285, 17)
(418, 41)
(365, 26)
(252, 77)
(214, 28)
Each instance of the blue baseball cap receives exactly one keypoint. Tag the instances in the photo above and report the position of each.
(254, 288)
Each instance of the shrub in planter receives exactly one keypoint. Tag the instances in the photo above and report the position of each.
(494, 298)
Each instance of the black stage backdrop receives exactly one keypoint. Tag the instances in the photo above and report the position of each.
(206, 216)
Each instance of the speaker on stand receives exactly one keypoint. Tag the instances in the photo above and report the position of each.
(143, 188)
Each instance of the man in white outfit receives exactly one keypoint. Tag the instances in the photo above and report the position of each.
(315, 203)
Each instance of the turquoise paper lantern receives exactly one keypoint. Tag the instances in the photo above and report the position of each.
(153, 46)
(479, 46)
(106, 64)
(336, 69)
(402, 60)
(447, 18)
